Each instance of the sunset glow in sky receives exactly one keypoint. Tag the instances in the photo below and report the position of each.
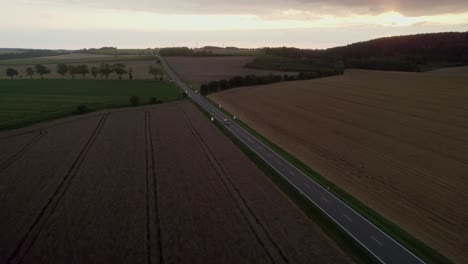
(144, 23)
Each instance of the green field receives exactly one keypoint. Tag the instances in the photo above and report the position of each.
(24, 102)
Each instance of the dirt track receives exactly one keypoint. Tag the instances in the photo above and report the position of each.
(396, 141)
(153, 184)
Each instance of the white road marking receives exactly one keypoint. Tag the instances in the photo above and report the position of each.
(307, 185)
(249, 139)
(347, 217)
(279, 163)
(323, 198)
(376, 240)
(291, 172)
(268, 154)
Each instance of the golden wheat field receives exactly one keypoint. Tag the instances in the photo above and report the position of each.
(396, 141)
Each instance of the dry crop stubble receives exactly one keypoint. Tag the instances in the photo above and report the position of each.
(395, 141)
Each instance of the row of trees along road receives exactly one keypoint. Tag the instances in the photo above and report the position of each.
(104, 70)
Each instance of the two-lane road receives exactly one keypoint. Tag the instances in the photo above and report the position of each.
(365, 233)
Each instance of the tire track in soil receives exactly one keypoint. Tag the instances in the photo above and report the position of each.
(240, 204)
(35, 229)
(151, 175)
(23, 150)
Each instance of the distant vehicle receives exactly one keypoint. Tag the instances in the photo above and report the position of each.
(226, 122)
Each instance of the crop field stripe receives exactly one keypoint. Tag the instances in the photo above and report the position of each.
(40, 221)
(151, 174)
(23, 150)
(223, 178)
(148, 229)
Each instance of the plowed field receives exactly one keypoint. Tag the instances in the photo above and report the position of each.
(396, 141)
(205, 69)
(144, 185)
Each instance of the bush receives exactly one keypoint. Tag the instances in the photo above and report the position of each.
(83, 109)
(135, 100)
(154, 100)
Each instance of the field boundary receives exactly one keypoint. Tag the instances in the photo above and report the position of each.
(415, 246)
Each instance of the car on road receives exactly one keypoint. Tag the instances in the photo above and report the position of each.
(226, 122)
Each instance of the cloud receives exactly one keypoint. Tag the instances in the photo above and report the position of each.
(272, 7)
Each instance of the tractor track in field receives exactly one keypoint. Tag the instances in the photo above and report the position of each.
(234, 192)
(23, 150)
(151, 175)
(35, 229)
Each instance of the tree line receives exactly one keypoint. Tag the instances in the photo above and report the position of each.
(104, 70)
(401, 53)
(251, 80)
(184, 51)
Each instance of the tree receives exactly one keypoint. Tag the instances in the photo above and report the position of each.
(83, 70)
(30, 72)
(156, 71)
(10, 72)
(130, 73)
(62, 69)
(95, 71)
(72, 70)
(119, 68)
(106, 70)
(41, 70)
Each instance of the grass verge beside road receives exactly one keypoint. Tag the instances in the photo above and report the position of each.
(416, 246)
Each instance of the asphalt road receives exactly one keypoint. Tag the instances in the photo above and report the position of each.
(379, 244)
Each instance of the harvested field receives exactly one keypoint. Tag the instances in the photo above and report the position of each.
(452, 71)
(152, 184)
(140, 70)
(396, 141)
(204, 69)
(74, 58)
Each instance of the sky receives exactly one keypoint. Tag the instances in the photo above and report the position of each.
(76, 24)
